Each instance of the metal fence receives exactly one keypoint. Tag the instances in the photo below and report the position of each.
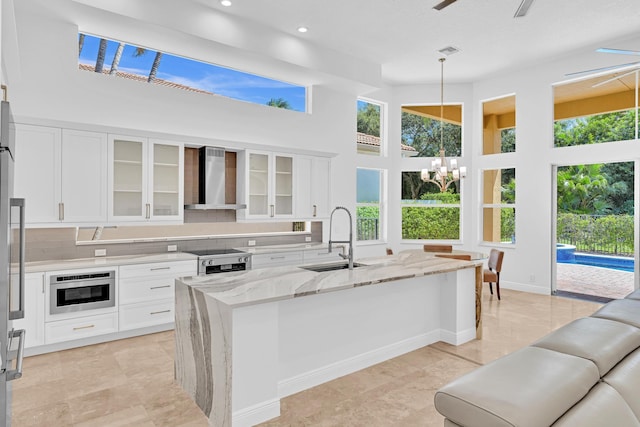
(368, 228)
(600, 234)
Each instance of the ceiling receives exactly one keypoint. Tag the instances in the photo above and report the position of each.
(402, 37)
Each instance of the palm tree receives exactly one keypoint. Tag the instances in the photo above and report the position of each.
(80, 43)
(116, 59)
(140, 51)
(279, 103)
(154, 67)
(102, 51)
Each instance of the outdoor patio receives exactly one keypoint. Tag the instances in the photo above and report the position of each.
(596, 281)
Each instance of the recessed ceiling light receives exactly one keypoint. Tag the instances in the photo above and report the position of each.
(302, 29)
(226, 3)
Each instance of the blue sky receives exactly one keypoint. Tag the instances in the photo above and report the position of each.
(200, 75)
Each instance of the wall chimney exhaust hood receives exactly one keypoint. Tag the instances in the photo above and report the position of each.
(211, 184)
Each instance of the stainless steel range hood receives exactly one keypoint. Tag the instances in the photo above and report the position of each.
(211, 185)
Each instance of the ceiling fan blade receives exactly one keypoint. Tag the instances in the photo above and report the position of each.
(523, 8)
(618, 51)
(443, 4)
(595, 70)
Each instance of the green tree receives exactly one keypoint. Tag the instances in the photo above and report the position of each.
(368, 118)
(423, 134)
(584, 189)
(279, 103)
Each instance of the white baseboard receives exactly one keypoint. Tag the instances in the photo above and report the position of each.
(459, 338)
(524, 287)
(335, 370)
(256, 414)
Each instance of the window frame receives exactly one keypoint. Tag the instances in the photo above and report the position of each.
(383, 148)
(499, 206)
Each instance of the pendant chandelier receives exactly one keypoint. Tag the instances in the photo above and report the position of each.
(439, 174)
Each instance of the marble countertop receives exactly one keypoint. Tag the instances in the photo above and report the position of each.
(107, 261)
(253, 287)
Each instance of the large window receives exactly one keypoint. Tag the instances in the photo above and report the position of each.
(369, 138)
(116, 58)
(427, 213)
(421, 129)
(499, 206)
(369, 204)
(596, 110)
(499, 123)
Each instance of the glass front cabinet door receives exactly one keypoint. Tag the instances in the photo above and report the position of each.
(270, 185)
(146, 178)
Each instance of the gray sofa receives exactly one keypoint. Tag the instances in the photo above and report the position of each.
(586, 374)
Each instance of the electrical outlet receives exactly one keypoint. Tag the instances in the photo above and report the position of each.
(251, 243)
(172, 248)
(307, 238)
(100, 252)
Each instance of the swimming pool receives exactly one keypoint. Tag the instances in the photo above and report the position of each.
(566, 254)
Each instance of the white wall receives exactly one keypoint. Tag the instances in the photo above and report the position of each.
(528, 264)
(50, 87)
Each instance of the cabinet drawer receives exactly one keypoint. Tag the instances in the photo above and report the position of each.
(140, 315)
(276, 259)
(141, 290)
(81, 327)
(322, 255)
(172, 269)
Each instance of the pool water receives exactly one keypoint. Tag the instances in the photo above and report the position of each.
(566, 254)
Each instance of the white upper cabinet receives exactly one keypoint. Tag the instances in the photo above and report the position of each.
(146, 179)
(61, 174)
(84, 176)
(269, 184)
(313, 187)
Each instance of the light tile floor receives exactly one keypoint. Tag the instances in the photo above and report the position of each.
(130, 382)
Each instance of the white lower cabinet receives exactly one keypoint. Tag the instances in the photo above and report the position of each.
(33, 321)
(81, 327)
(295, 257)
(141, 315)
(317, 256)
(276, 259)
(146, 292)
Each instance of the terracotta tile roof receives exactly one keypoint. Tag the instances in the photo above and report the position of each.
(136, 77)
(363, 138)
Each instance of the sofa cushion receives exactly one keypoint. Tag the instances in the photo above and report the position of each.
(530, 387)
(634, 295)
(603, 406)
(622, 310)
(625, 378)
(603, 341)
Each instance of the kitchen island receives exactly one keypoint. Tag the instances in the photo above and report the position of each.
(244, 340)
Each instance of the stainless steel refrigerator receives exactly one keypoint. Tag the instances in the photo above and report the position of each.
(12, 254)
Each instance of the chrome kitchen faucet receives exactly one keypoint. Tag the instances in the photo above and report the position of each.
(350, 241)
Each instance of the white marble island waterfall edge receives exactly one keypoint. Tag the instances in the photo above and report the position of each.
(245, 340)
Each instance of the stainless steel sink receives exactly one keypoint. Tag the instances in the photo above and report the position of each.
(331, 267)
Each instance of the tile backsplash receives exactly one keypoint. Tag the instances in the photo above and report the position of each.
(69, 243)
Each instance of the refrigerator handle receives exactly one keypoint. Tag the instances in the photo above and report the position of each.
(15, 374)
(19, 314)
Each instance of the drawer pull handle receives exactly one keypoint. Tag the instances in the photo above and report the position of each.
(84, 327)
(160, 268)
(278, 257)
(315, 210)
(160, 287)
(160, 312)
